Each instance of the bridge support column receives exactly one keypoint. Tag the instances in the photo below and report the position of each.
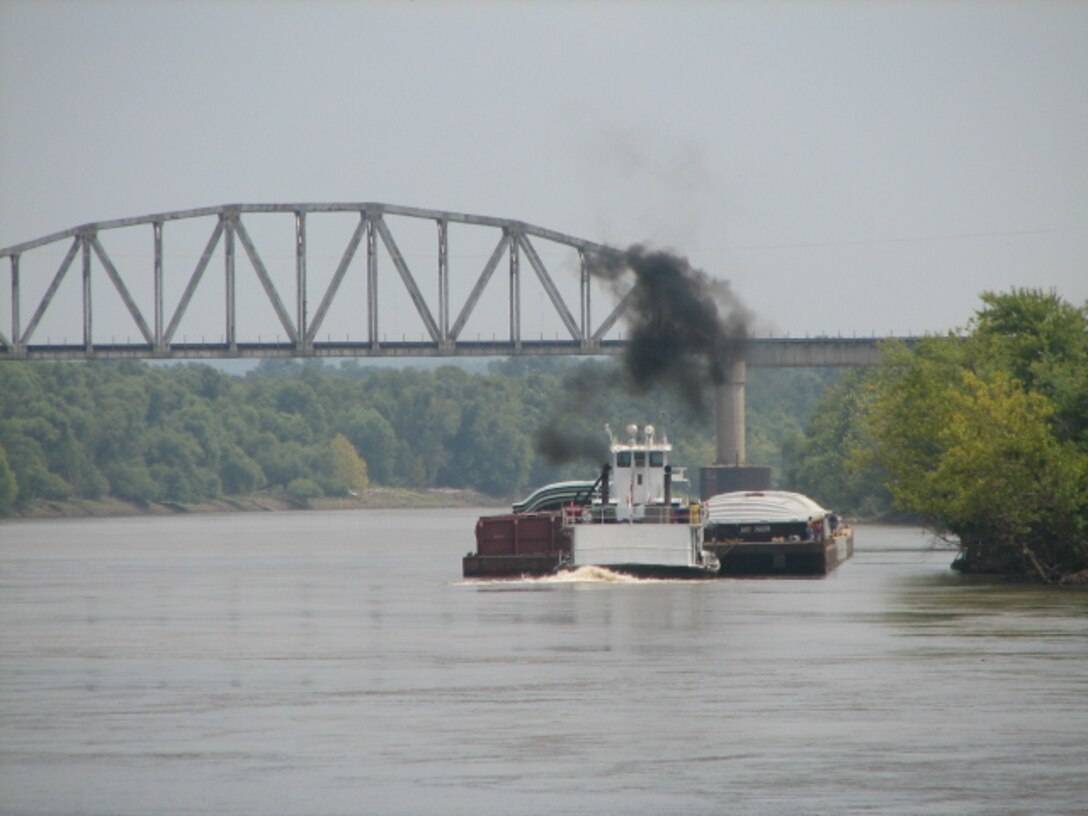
(730, 416)
(732, 471)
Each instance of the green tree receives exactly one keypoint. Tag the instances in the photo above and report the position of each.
(28, 462)
(174, 461)
(975, 435)
(9, 488)
(350, 467)
(281, 462)
(131, 480)
(373, 437)
(238, 472)
(1042, 341)
(303, 490)
(1019, 492)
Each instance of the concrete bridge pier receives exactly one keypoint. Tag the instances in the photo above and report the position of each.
(729, 412)
(731, 471)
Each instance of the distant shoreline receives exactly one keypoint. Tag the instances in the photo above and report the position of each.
(377, 498)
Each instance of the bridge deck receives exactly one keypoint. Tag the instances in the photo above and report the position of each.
(826, 352)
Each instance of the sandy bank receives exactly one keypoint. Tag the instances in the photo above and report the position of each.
(374, 498)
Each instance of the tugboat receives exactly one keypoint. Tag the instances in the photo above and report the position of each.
(626, 521)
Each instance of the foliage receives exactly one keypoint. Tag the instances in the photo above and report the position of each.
(780, 403)
(192, 433)
(1042, 342)
(349, 467)
(8, 487)
(828, 462)
(131, 480)
(985, 435)
(302, 490)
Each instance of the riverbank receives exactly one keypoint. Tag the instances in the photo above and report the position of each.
(385, 498)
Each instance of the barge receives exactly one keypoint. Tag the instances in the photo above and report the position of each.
(775, 532)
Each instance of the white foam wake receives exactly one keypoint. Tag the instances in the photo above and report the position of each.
(582, 575)
(590, 574)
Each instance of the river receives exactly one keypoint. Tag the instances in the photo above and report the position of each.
(336, 663)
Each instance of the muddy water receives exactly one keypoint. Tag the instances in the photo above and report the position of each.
(335, 663)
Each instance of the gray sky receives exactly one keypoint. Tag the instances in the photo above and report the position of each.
(851, 167)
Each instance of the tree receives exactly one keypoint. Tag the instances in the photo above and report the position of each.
(910, 409)
(495, 448)
(303, 490)
(28, 462)
(174, 461)
(9, 488)
(1005, 484)
(239, 473)
(975, 435)
(374, 438)
(281, 462)
(1042, 341)
(350, 467)
(132, 481)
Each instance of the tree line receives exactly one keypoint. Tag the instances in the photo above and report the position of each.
(982, 434)
(191, 433)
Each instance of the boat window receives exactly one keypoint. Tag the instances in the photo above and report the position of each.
(640, 458)
(623, 459)
(657, 458)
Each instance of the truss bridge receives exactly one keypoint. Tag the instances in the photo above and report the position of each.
(246, 280)
(147, 303)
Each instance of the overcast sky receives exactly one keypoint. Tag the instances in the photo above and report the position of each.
(850, 167)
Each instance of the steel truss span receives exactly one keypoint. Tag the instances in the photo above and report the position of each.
(156, 324)
(155, 319)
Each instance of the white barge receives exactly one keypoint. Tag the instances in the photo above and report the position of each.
(775, 532)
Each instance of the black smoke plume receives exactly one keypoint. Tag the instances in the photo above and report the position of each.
(575, 429)
(560, 442)
(685, 330)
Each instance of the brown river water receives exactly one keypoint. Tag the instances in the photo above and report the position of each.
(336, 663)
